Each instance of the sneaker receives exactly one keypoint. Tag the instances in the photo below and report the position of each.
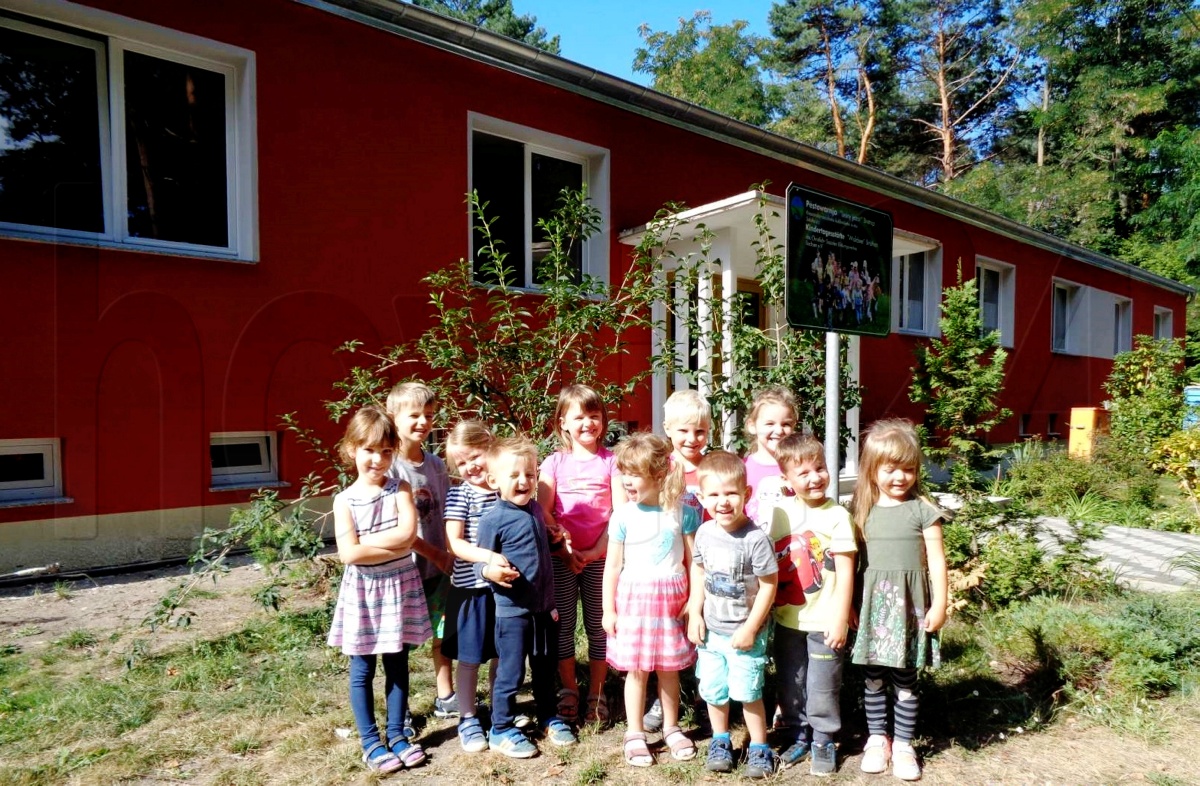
(904, 762)
(720, 755)
(559, 733)
(876, 754)
(409, 731)
(652, 721)
(471, 736)
(824, 759)
(794, 753)
(447, 707)
(522, 721)
(761, 762)
(512, 744)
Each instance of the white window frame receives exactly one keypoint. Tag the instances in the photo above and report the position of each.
(48, 488)
(246, 476)
(1074, 297)
(1122, 325)
(931, 298)
(1164, 322)
(595, 161)
(1006, 307)
(123, 34)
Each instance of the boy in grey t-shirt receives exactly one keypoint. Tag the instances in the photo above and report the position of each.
(733, 584)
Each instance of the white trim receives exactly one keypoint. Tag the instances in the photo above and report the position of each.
(267, 471)
(235, 64)
(48, 487)
(1122, 325)
(1072, 308)
(1167, 316)
(931, 261)
(1006, 307)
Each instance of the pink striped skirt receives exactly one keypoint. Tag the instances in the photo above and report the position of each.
(651, 636)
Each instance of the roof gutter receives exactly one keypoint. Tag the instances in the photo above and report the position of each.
(475, 43)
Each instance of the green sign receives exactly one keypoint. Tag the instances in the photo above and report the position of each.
(839, 264)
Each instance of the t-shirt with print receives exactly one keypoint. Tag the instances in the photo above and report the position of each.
(767, 490)
(466, 503)
(582, 493)
(732, 563)
(805, 541)
(691, 489)
(430, 483)
(653, 538)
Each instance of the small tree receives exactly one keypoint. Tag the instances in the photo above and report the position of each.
(1146, 395)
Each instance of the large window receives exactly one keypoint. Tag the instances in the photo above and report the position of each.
(916, 285)
(995, 284)
(123, 133)
(30, 471)
(1062, 316)
(1164, 323)
(1122, 326)
(913, 302)
(520, 174)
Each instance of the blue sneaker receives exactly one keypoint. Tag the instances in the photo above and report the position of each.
(794, 753)
(720, 755)
(471, 736)
(824, 759)
(512, 744)
(760, 762)
(559, 733)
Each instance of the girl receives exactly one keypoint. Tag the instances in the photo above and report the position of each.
(646, 589)
(903, 591)
(470, 606)
(578, 487)
(381, 606)
(772, 417)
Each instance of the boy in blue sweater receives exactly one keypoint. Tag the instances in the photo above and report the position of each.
(526, 620)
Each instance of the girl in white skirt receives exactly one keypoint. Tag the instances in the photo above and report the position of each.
(646, 589)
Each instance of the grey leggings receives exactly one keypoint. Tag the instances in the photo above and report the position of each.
(904, 708)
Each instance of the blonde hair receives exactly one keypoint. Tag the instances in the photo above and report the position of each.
(588, 401)
(722, 465)
(369, 427)
(468, 434)
(776, 394)
(518, 446)
(684, 407)
(890, 441)
(416, 394)
(649, 456)
(797, 448)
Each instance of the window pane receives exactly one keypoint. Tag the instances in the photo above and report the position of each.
(916, 291)
(175, 151)
(237, 454)
(989, 296)
(22, 467)
(549, 176)
(498, 175)
(49, 134)
(1059, 318)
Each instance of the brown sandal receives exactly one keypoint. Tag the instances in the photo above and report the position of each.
(682, 748)
(636, 752)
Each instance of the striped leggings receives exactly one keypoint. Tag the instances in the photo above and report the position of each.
(571, 588)
(904, 707)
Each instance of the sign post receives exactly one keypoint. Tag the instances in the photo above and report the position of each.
(839, 265)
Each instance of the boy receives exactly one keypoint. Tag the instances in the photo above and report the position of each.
(411, 406)
(814, 542)
(526, 620)
(733, 586)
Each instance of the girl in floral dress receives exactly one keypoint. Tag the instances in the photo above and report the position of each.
(903, 591)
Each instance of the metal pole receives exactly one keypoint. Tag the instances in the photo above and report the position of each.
(832, 410)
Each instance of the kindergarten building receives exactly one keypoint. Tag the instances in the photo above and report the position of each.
(200, 200)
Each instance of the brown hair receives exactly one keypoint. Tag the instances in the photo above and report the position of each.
(649, 456)
(776, 394)
(890, 441)
(416, 394)
(468, 434)
(797, 448)
(369, 427)
(588, 401)
(513, 446)
(722, 465)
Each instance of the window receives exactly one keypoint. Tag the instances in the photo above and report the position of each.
(242, 459)
(520, 173)
(30, 470)
(148, 141)
(996, 297)
(1122, 326)
(1164, 326)
(913, 299)
(1052, 425)
(1024, 427)
(1064, 307)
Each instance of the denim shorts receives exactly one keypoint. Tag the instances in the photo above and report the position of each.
(725, 673)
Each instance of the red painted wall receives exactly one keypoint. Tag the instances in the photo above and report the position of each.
(133, 359)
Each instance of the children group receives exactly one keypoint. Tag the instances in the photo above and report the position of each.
(678, 556)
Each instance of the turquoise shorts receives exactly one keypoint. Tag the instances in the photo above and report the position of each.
(725, 673)
(436, 590)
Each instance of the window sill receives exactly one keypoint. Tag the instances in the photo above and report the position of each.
(269, 484)
(113, 245)
(31, 503)
(914, 333)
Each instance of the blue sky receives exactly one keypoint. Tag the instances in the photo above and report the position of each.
(604, 34)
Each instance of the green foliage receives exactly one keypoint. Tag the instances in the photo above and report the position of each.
(958, 377)
(1179, 457)
(499, 16)
(1146, 394)
(1016, 569)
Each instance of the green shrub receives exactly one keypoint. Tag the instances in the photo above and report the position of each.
(1049, 483)
(1016, 568)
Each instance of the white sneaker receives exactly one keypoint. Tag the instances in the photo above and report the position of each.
(876, 754)
(904, 762)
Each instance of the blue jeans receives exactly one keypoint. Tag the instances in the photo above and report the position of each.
(533, 636)
(362, 694)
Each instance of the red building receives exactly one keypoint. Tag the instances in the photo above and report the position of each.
(199, 201)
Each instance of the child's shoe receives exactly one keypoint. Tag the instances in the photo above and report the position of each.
(597, 710)
(904, 762)
(410, 731)
(568, 704)
(447, 707)
(471, 736)
(824, 759)
(720, 755)
(652, 721)
(410, 754)
(559, 733)
(512, 744)
(380, 759)
(760, 762)
(794, 753)
(876, 754)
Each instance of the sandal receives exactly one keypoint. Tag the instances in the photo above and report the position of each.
(682, 748)
(379, 759)
(597, 710)
(568, 705)
(410, 754)
(636, 752)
